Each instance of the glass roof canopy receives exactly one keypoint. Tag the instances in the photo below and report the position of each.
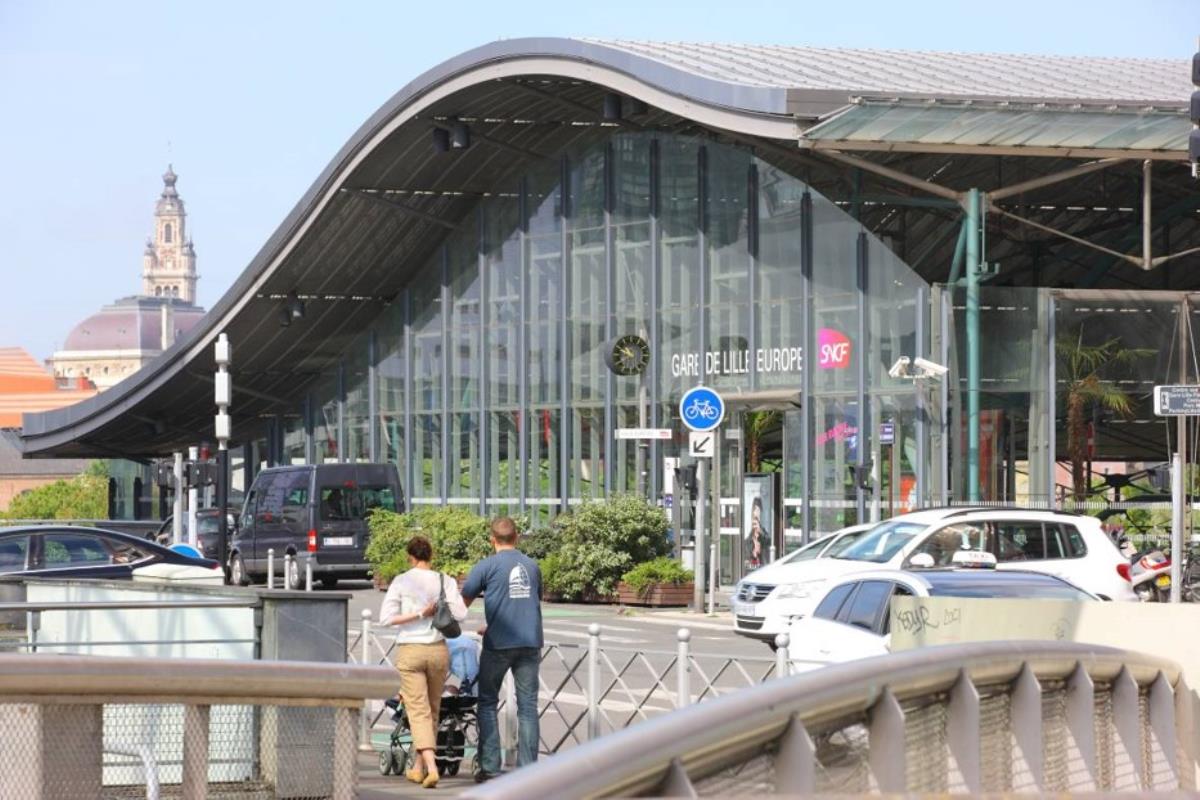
(1031, 129)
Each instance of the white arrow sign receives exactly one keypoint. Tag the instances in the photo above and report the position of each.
(701, 445)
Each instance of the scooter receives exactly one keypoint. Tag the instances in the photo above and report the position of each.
(1150, 575)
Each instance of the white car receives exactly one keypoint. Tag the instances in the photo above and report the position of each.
(756, 593)
(1068, 546)
(851, 619)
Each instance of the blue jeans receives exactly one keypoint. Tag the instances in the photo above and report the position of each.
(493, 666)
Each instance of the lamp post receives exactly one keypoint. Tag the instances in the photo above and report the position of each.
(223, 394)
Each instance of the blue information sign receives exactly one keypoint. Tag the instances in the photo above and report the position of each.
(701, 409)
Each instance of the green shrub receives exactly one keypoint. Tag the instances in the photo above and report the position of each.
(541, 543)
(601, 541)
(459, 538)
(660, 570)
(82, 497)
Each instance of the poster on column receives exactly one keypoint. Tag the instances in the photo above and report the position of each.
(759, 521)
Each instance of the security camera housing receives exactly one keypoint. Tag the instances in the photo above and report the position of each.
(930, 368)
(900, 368)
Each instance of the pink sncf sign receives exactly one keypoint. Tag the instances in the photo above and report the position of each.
(833, 349)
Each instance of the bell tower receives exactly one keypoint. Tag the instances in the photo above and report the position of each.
(169, 261)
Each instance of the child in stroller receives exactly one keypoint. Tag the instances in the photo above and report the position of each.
(458, 725)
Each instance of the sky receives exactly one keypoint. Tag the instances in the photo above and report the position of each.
(250, 100)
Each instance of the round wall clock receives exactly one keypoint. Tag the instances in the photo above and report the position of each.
(628, 355)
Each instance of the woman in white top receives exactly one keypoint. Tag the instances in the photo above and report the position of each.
(423, 659)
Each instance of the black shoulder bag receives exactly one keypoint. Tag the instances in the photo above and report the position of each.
(443, 620)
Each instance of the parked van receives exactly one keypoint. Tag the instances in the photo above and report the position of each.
(315, 508)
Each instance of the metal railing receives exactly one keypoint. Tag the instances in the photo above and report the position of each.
(592, 689)
(984, 717)
(63, 718)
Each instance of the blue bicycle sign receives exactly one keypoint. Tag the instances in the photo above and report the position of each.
(702, 409)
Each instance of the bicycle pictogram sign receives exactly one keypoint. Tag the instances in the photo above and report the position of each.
(702, 409)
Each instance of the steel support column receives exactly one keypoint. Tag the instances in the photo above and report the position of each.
(610, 329)
(372, 398)
(524, 418)
(447, 366)
(806, 377)
(483, 427)
(654, 336)
(865, 434)
(972, 322)
(341, 411)
(564, 341)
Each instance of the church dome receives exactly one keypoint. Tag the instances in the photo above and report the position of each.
(134, 323)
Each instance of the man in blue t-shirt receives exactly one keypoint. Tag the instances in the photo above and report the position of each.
(511, 585)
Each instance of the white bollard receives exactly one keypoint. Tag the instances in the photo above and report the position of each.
(308, 572)
(509, 730)
(683, 669)
(782, 662)
(593, 682)
(364, 719)
(289, 564)
(271, 568)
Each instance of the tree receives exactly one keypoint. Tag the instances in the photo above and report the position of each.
(756, 425)
(82, 497)
(1081, 367)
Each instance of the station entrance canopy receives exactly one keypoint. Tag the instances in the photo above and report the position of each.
(970, 171)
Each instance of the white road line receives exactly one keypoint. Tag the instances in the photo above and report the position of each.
(604, 626)
(678, 623)
(578, 635)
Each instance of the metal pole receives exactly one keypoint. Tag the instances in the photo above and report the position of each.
(177, 508)
(223, 395)
(683, 669)
(308, 572)
(593, 682)
(193, 497)
(1147, 232)
(699, 555)
(714, 551)
(782, 662)
(289, 564)
(1177, 463)
(509, 733)
(972, 320)
(364, 720)
(270, 567)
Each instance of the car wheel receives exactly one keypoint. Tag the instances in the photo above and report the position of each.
(329, 583)
(237, 571)
(291, 574)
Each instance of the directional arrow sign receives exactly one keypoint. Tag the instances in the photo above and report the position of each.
(701, 445)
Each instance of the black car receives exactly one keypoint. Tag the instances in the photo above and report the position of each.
(207, 531)
(314, 510)
(48, 551)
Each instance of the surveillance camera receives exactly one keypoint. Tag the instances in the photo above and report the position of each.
(930, 368)
(900, 368)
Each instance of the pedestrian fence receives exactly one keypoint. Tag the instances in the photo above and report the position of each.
(589, 690)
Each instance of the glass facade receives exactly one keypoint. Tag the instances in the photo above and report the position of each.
(486, 380)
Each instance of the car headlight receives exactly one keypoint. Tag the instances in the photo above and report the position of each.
(794, 591)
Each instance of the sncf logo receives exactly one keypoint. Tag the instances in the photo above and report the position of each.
(833, 349)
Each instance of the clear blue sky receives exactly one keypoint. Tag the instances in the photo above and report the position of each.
(254, 98)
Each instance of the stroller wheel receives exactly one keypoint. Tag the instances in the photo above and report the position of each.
(452, 768)
(387, 763)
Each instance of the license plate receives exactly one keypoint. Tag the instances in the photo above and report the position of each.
(1162, 581)
(745, 610)
(338, 541)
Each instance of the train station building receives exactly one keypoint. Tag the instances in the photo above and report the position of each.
(506, 279)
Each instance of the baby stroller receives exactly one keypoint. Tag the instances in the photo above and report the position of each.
(458, 727)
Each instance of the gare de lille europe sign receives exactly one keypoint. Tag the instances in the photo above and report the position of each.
(737, 362)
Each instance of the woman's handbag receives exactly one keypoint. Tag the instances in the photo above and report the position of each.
(443, 620)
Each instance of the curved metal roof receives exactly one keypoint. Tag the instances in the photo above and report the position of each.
(387, 199)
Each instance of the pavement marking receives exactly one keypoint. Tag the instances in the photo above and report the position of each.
(685, 623)
(577, 635)
(604, 627)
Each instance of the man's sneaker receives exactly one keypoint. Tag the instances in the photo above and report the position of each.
(483, 777)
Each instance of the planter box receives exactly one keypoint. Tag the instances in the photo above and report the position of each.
(656, 594)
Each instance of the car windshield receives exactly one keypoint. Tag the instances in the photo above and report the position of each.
(882, 542)
(806, 553)
(354, 502)
(845, 543)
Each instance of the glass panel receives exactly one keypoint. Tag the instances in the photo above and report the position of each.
(428, 368)
(325, 427)
(503, 246)
(465, 362)
(393, 364)
(358, 402)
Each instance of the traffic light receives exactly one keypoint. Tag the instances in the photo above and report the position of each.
(165, 475)
(685, 480)
(1194, 137)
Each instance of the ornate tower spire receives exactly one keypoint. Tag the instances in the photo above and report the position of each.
(169, 264)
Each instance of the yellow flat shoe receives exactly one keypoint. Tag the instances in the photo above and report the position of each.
(416, 776)
(431, 781)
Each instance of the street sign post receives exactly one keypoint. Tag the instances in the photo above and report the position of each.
(1180, 400)
(702, 410)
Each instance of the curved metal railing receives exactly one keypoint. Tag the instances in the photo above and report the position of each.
(982, 717)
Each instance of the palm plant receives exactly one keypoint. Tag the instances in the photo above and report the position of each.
(756, 425)
(1080, 367)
